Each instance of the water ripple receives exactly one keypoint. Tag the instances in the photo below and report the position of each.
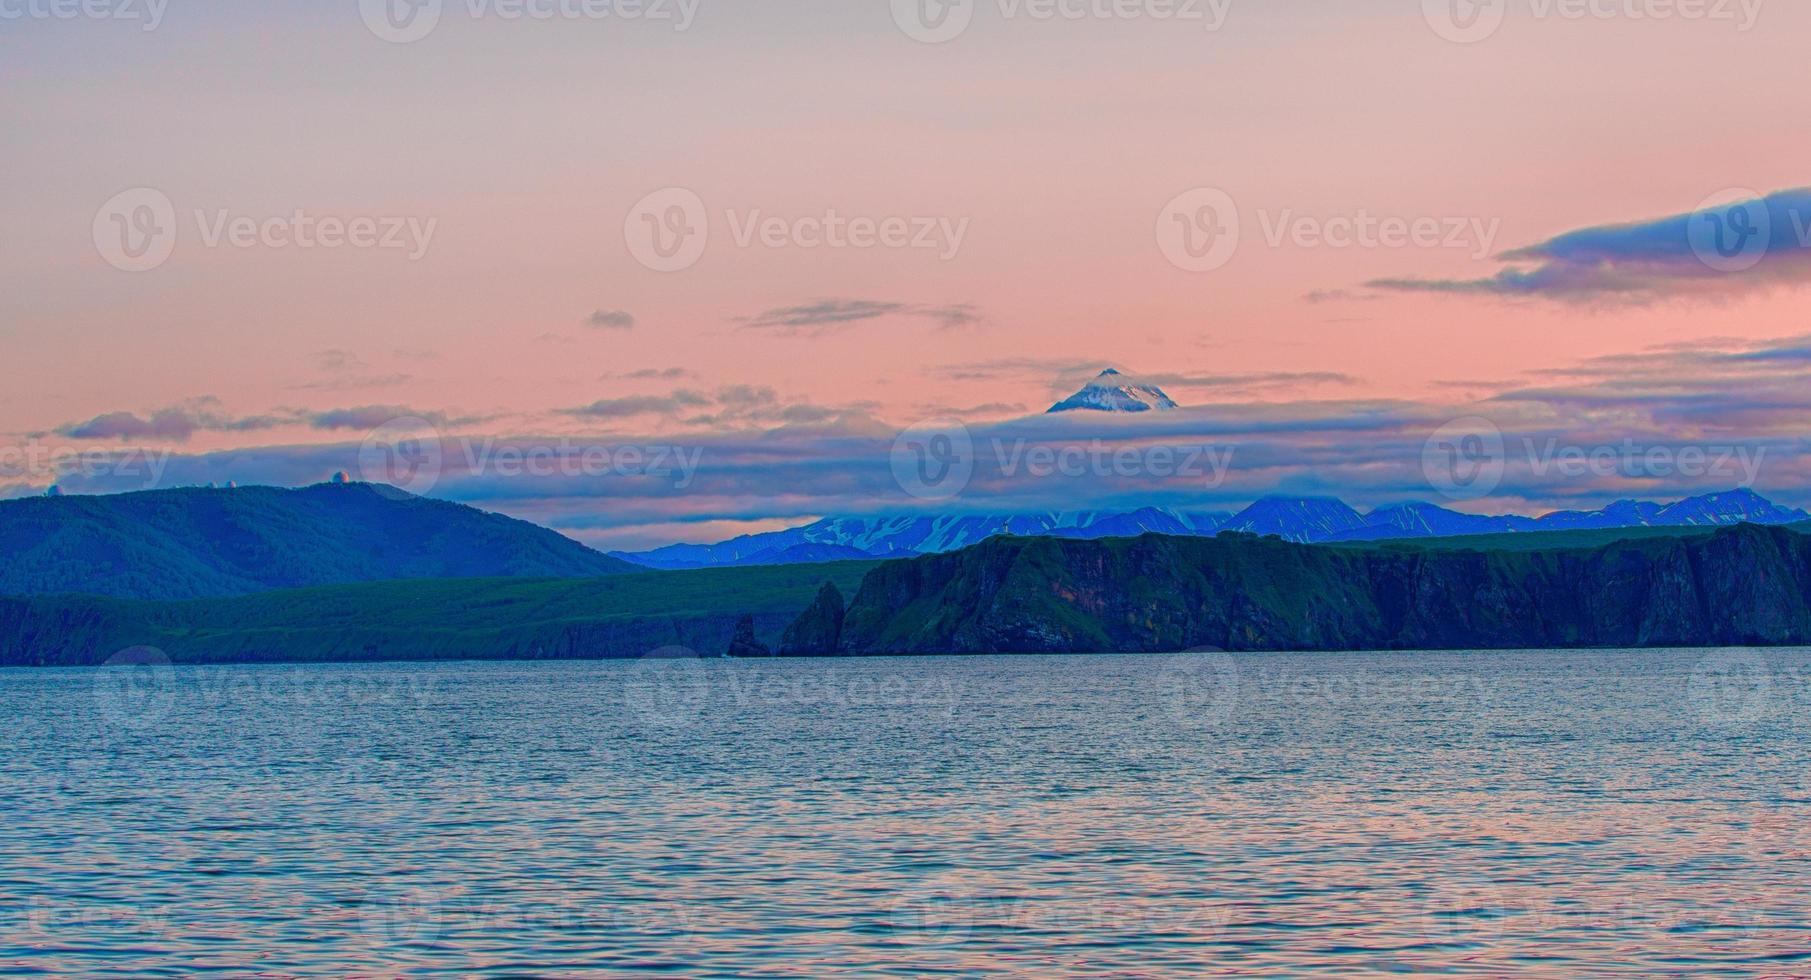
(1528, 815)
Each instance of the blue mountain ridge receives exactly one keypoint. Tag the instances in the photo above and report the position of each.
(201, 542)
(1303, 520)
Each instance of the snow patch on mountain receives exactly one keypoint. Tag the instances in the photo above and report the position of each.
(1302, 520)
(1310, 520)
(1114, 392)
(904, 536)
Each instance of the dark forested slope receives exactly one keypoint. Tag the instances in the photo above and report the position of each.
(1746, 585)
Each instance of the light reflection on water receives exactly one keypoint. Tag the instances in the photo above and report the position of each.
(1529, 815)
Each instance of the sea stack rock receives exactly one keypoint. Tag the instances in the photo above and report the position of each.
(818, 631)
(744, 644)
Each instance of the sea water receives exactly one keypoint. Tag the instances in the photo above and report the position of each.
(1533, 814)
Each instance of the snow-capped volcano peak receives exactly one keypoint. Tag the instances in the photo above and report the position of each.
(1114, 392)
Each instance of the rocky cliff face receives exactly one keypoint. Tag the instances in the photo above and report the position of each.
(1747, 585)
(818, 631)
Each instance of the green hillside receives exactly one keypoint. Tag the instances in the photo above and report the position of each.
(1746, 585)
(505, 619)
(1661, 587)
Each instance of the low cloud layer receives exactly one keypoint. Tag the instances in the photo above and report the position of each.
(1248, 382)
(611, 320)
(1732, 412)
(633, 406)
(1063, 376)
(830, 315)
(180, 423)
(1717, 252)
(730, 407)
(373, 416)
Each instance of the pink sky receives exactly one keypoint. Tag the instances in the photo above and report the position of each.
(1055, 144)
